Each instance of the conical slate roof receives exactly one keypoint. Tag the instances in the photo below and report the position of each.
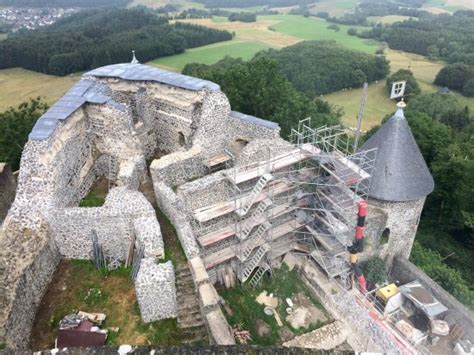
(400, 172)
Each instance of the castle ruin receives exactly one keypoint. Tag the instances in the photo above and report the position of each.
(240, 196)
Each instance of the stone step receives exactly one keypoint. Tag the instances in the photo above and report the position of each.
(186, 311)
(190, 320)
(190, 324)
(197, 337)
(185, 283)
(186, 296)
(188, 307)
(183, 271)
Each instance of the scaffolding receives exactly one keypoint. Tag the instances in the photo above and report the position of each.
(303, 200)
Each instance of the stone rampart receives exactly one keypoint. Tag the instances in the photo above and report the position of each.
(28, 259)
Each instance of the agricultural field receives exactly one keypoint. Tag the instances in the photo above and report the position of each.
(210, 54)
(336, 8)
(378, 105)
(3, 36)
(275, 31)
(18, 85)
(388, 20)
(440, 6)
(311, 28)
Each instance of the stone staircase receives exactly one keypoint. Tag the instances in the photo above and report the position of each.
(189, 313)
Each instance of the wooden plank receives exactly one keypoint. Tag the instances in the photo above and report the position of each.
(207, 213)
(319, 238)
(226, 254)
(218, 159)
(229, 231)
(281, 161)
(351, 165)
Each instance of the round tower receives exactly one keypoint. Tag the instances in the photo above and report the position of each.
(400, 183)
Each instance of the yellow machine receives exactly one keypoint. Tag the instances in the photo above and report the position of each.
(386, 292)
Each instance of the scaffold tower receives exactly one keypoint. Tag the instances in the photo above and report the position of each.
(304, 200)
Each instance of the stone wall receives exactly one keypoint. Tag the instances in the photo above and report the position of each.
(366, 334)
(404, 271)
(156, 290)
(28, 259)
(113, 223)
(7, 189)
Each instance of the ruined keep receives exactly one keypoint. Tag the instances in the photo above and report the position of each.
(239, 196)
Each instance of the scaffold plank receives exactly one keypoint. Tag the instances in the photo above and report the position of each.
(229, 231)
(281, 161)
(218, 159)
(228, 253)
(207, 213)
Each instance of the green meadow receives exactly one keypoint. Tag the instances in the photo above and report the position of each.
(211, 54)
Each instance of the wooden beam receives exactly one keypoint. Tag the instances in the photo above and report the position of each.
(279, 162)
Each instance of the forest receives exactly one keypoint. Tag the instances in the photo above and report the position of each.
(94, 38)
(253, 86)
(445, 36)
(64, 3)
(376, 8)
(322, 67)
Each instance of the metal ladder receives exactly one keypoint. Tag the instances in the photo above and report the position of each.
(262, 269)
(255, 239)
(264, 180)
(254, 261)
(252, 220)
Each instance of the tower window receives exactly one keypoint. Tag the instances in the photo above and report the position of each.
(181, 139)
(385, 236)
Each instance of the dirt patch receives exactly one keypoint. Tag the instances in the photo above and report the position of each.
(304, 313)
(263, 329)
(67, 294)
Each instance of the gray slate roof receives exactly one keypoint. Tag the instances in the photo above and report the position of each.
(141, 72)
(400, 172)
(253, 119)
(85, 91)
(88, 91)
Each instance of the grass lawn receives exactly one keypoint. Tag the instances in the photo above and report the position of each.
(377, 106)
(211, 54)
(388, 20)
(97, 194)
(283, 284)
(335, 8)
(78, 286)
(313, 28)
(18, 85)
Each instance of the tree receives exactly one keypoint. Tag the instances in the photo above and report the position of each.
(454, 76)
(321, 67)
(258, 88)
(352, 31)
(374, 270)
(412, 88)
(15, 125)
(468, 88)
